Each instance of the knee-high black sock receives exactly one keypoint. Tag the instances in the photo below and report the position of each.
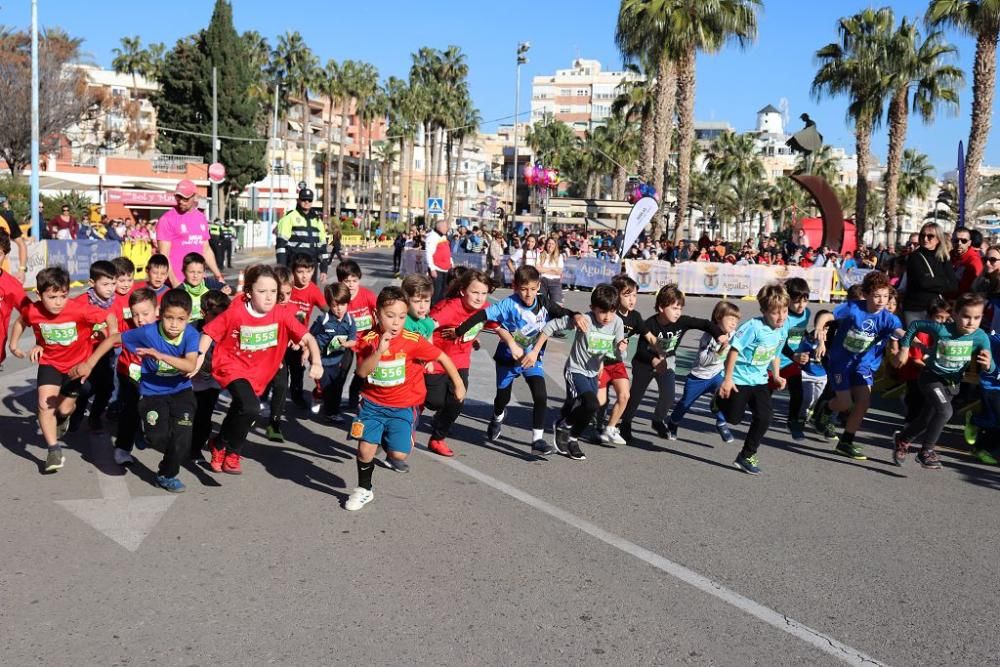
(365, 471)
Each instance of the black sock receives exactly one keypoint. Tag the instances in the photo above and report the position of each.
(58, 445)
(365, 471)
(847, 438)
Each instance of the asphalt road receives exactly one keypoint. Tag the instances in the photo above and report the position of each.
(657, 554)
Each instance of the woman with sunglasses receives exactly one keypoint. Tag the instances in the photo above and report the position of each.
(929, 274)
(988, 281)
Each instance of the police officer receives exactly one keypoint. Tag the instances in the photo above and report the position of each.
(228, 240)
(302, 230)
(215, 241)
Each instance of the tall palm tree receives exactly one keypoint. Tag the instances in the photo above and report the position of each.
(980, 19)
(916, 179)
(468, 119)
(402, 128)
(919, 66)
(854, 66)
(298, 70)
(635, 101)
(733, 160)
(345, 79)
(824, 164)
(369, 107)
(386, 153)
(552, 141)
(328, 85)
(133, 60)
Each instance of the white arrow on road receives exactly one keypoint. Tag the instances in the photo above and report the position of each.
(126, 520)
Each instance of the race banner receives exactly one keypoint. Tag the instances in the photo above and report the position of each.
(77, 256)
(590, 272)
(725, 280)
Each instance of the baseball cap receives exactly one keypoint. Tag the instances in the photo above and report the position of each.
(186, 189)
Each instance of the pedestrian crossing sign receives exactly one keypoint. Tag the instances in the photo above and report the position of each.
(435, 206)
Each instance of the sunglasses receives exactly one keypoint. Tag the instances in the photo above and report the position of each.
(993, 260)
(963, 241)
(928, 237)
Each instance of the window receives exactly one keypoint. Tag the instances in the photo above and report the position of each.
(418, 164)
(564, 110)
(582, 92)
(565, 92)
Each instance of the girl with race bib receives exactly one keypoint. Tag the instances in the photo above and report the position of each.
(957, 344)
(250, 342)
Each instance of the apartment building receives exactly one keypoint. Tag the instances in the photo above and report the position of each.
(580, 96)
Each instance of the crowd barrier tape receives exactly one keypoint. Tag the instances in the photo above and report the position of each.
(725, 280)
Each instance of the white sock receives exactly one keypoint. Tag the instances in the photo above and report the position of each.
(500, 416)
(537, 434)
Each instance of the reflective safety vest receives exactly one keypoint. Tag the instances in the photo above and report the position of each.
(302, 234)
(215, 230)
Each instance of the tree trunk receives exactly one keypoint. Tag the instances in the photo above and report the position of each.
(453, 210)
(618, 183)
(428, 172)
(984, 75)
(685, 126)
(432, 167)
(863, 142)
(646, 146)
(663, 119)
(898, 119)
(340, 158)
(411, 149)
(438, 159)
(402, 161)
(449, 171)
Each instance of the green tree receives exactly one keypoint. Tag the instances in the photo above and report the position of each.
(386, 153)
(552, 141)
(402, 119)
(733, 160)
(370, 105)
(181, 102)
(981, 20)
(635, 101)
(916, 179)
(296, 67)
(824, 164)
(854, 66)
(919, 78)
(133, 60)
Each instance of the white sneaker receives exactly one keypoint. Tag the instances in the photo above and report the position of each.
(122, 457)
(315, 407)
(358, 499)
(612, 436)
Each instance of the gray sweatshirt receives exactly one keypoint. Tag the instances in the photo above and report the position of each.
(711, 357)
(589, 349)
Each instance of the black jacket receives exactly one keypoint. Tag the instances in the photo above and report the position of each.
(927, 278)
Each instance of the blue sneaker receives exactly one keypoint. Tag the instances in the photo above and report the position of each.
(171, 484)
(724, 432)
(747, 464)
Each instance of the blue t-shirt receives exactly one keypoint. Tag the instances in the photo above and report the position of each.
(808, 346)
(797, 327)
(989, 380)
(158, 378)
(952, 352)
(331, 334)
(860, 336)
(524, 323)
(758, 345)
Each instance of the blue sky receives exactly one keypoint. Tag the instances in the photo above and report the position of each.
(732, 85)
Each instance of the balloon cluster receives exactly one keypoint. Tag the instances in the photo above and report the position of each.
(638, 190)
(540, 176)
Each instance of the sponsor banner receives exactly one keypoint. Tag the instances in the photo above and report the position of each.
(77, 256)
(590, 272)
(651, 275)
(37, 259)
(580, 272)
(852, 277)
(725, 280)
(472, 260)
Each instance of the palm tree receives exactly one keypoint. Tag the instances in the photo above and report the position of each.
(824, 164)
(402, 128)
(328, 86)
(386, 154)
(916, 178)
(733, 160)
(155, 53)
(853, 66)
(919, 66)
(635, 101)
(980, 19)
(469, 119)
(297, 68)
(551, 141)
(369, 106)
(784, 198)
(133, 60)
(345, 82)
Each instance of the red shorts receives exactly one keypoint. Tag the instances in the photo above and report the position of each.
(612, 372)
(788, 372)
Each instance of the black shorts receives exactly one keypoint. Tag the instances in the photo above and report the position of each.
(49, 375)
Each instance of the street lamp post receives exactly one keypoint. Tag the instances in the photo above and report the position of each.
(36, 225)
(522, 58)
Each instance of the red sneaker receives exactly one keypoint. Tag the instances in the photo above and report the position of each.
(232, 464)
(440, 447)
(218, 456)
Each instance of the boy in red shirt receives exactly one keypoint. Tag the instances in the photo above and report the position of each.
(305, 296)
(391, 361)
(362, 311)
(12, 296)
(250, 342)
(63, 330)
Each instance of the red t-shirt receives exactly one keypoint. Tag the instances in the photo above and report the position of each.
(129, 363)
(451, 313)
(305, 299)
(398, 380)
(362, 309)
(85, 300)
(921, 345)
(120, 307)
(65, 338)
(12, 297)
(251, 348)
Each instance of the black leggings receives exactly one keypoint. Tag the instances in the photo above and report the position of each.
(794, 386)
(102, 385)
(758, 397)
(243, 412)
(539, 396)
(206, 400)
(279, 392)
(642, 375)
(171, 430)
(296, 371)
(441, 399)
(128, 416)
(579, 410)
(337, 388)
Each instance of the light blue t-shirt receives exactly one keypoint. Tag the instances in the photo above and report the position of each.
(758, 345)
(797, 327)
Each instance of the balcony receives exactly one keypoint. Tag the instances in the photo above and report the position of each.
(174, 163)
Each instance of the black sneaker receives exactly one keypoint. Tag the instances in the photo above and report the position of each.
(493, 429)
(541, 448)
(299, 401)
(671, 431)
(724, 432)
(575, 452)
(561, 436)
(660, 428)
(55, 459)
(625, 431)
(795, 427)
(851, 450)
(928, 458)
(748, 464)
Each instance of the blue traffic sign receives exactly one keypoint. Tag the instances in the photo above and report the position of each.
(435, 206)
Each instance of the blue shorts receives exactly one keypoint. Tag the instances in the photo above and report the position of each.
(844, 379)
(507, 374)
(578, 384)
(382, 425)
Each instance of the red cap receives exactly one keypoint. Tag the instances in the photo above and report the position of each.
(186, 189)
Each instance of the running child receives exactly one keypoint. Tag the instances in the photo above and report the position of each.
(920, 348)
(604, 338)
(101, 383)
(362, 311)
(335, 333)
(167, 351)
(809, 356)
(12, 296)
(206, 388)
(655, 358)
(305, 297)
(196, 284)
(614, 374)
(418, 289)
(463, 298)
(798, 323)
(754, 349)
(157, 273)
(708, 371)
(520, 319)
(251, 338)
(864, 328)
(391, 363)
(957, 344)
(278, 387)
(124, 286)
(985, 427)
(63, 330)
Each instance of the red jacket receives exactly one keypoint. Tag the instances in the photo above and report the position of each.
(967, 269)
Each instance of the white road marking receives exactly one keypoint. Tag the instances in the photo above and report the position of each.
(815, 638)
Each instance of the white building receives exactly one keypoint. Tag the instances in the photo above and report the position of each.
(580, 96)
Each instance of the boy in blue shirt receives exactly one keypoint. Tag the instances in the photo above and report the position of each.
(521, 317)
(798, 323)
(956, 345)
(809, 357)
(863, 329)
(985, 427)
(334, 332)
(753, 349)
